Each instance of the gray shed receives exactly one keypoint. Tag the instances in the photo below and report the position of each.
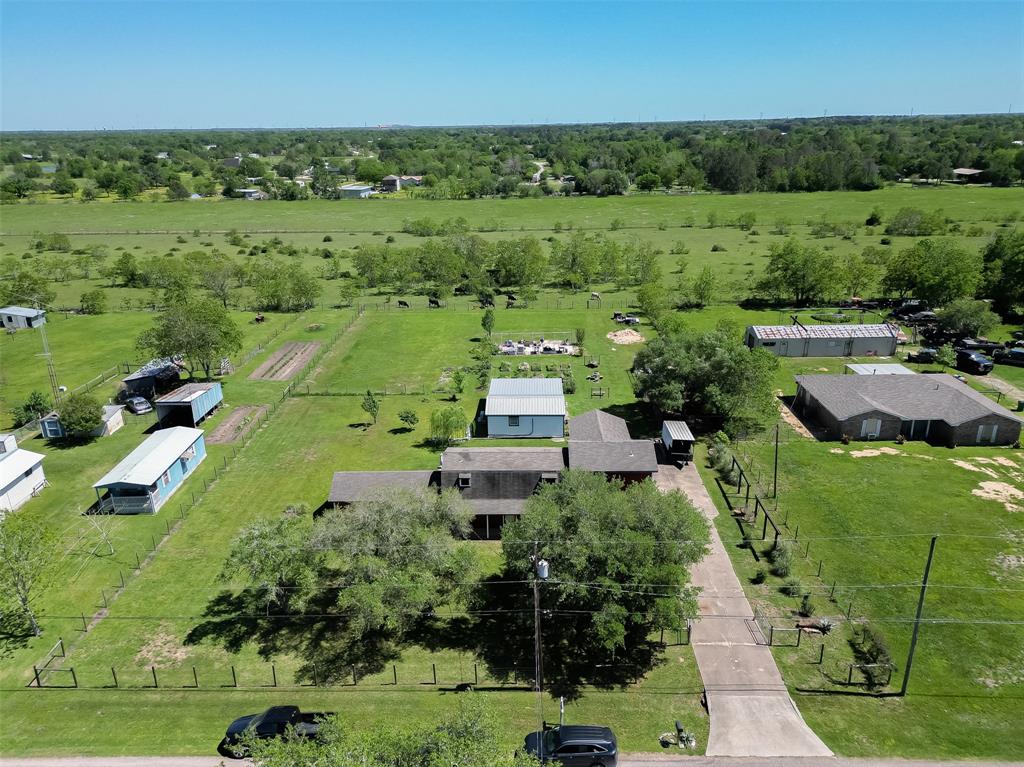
(824, 340)
(678, 441)
(19, 317)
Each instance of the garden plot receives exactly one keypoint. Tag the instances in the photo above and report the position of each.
(286, 362)
(237, 425)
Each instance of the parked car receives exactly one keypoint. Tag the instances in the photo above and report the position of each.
(982, 345)
(912, 306)
(924, 355)
(272, 723)
(138, 405)
(973, 362)
(1012, 356)
(574, 745)
(628, 319)
(920, 318)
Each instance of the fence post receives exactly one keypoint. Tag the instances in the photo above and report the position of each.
(850, 608)
(155, 682)
(849, 673)
(476, 675)
(85, 626)
(832, 593)
(195, 677)
(821, 654)
(316, 681)
(104, 593)
(121, 575)
(799, 633)
(273, 671)
(819, 569)
(234, 677)
(36, 672)
(138, 562)
(113, 673)
(394, 674)
(74, 677)
(771, 635)
(433, 667)
(355, 680)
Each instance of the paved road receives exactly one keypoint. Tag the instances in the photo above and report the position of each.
(628, 760)
(750, 709)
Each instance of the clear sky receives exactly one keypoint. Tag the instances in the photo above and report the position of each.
(151, 64)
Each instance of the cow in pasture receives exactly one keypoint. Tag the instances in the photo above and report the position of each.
(486, 301)
(434, 302)
(510, 296)
(595, 296)
(403, 304)
(510, 304)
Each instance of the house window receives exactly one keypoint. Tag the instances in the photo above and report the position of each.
(465, 480)
(513, 420)
(29, 472)
(184, 466)
(166, 478)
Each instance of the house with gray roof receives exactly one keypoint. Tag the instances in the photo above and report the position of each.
(525, 407)
(936, 408)
(347, 487)
(601, 442)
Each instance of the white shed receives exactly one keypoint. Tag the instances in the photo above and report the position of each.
(678, 440)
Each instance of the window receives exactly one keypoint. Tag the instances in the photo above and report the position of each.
(465, 480)
(513, 420)
(166, 478)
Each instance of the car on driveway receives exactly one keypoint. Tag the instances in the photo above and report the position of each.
(922, 355)
(272, 723)
(1013, 356)
(139, 405)
(973, 362)
(574, 745)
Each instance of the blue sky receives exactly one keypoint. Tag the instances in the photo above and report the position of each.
(149, 64)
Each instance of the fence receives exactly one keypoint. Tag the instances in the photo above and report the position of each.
(420, 304)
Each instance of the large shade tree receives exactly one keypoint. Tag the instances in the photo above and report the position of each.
(199, 329)
(619, 571)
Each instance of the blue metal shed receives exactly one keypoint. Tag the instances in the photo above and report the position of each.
(188, 405)
(525, 407)
(143, 481)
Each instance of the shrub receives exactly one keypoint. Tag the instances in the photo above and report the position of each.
(716, 248)
(845, 439)
(760, 576)
(885, 241)
(328, 238)
(806, 606)
(781, 557)
(792, 587)
(870, 648)
(408, 417)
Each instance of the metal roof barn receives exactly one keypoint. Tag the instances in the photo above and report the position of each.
(824, 340)
(188, 405)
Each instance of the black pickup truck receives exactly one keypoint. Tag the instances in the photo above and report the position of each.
(272, 723)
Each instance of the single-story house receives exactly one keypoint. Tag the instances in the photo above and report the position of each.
(155, 376)
(111, 420)
(880, 369)
(935, 407)
(824, 340)
(347, 487)
(163, 155)
(188, 405)
(21, 473)
(143, 481)
(355, 191)
(497, 481)
(18, 317)
(253, 194)
(678, 441)
(525, 407)
(411, 180)
(967, 175)
(601, 442)
(391, 183)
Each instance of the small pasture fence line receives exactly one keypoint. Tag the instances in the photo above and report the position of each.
(421, 304)
(291, 389)
(26, 430)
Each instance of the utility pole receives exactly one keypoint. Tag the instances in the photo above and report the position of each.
(540, 573)
(917, 618)
(51, 371)
(775, 471)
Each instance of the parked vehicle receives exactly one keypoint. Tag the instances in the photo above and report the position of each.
(973, 362)
(912, 306)
(138, 405)
(1012, 356)
(574, 745)
(920, 318)
(982, 345)
(923, 355)
(627, 319)
(272, 723)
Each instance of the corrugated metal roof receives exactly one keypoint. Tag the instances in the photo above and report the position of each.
(21, 311)
(185, 394)
(16, 462)
(774, 332)
(678, 430)
(525, 406)
(525, 387)
(461, 459)
(966, 171)
(145, 464)
(933, 397)
(890, 369)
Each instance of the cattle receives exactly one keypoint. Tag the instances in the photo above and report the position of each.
(596, 296)
(434, 302)
(259, 318)
(510, 304)
(510, 296)
(403, 304)
(486, 301)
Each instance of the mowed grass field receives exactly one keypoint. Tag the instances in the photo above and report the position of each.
(291, 458)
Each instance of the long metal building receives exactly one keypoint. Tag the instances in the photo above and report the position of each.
(824, 340)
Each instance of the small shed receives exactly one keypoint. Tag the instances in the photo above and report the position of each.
(21, 473)
(155, 376)
(19, 317)
(678, 441)
(525, 407)
(355, 191)
(391, 183)
(188, 405)
(143, 481)
(252, 194)
(881, 369)
(111, 420)
(966, 175)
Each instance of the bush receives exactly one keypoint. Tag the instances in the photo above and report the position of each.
(870, 648)
(716, 248)
(792, 587)
(35, 405)
(781, 557)
(80, 414)
(806, 606)
(760, 576)
(93, 301)
(328, 238)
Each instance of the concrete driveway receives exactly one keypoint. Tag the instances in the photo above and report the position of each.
(752, 714)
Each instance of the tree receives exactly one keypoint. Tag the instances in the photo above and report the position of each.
(28, 556)
(63, 184)
(35, 405)
(446, 425)
(80, 414)
(581, 336)
(648, 182)
(26, 288)
(1003, 259)
(371, 405)
(945, 355)
(93, 301)
(911, 222)
(712, 373)
(409, 418)
(604, 547)
(802, 273)
(487, 321)
(967, 317)
(652, 299)
(199, 329)
(935, 271)
(704, 286)
(176, 189)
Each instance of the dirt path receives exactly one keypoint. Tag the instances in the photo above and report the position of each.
(1012, 392)
(286, 362)
(752, 714)
(240, 422)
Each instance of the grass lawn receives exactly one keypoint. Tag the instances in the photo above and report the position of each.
(964, 697)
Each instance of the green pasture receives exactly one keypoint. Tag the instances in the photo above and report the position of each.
(867, 521)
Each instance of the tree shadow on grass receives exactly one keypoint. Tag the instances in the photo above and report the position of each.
(400, 430)
(15, 633)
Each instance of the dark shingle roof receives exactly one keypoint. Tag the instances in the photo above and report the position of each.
(496, 506)
(348, 486)
(503, 459)
(635, 455)
(598, 426)
(933, 397)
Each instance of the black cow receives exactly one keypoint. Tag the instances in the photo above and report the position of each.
(486, 301)
(403, 304)
(510, 304)
(510, 296)
(434, 303)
